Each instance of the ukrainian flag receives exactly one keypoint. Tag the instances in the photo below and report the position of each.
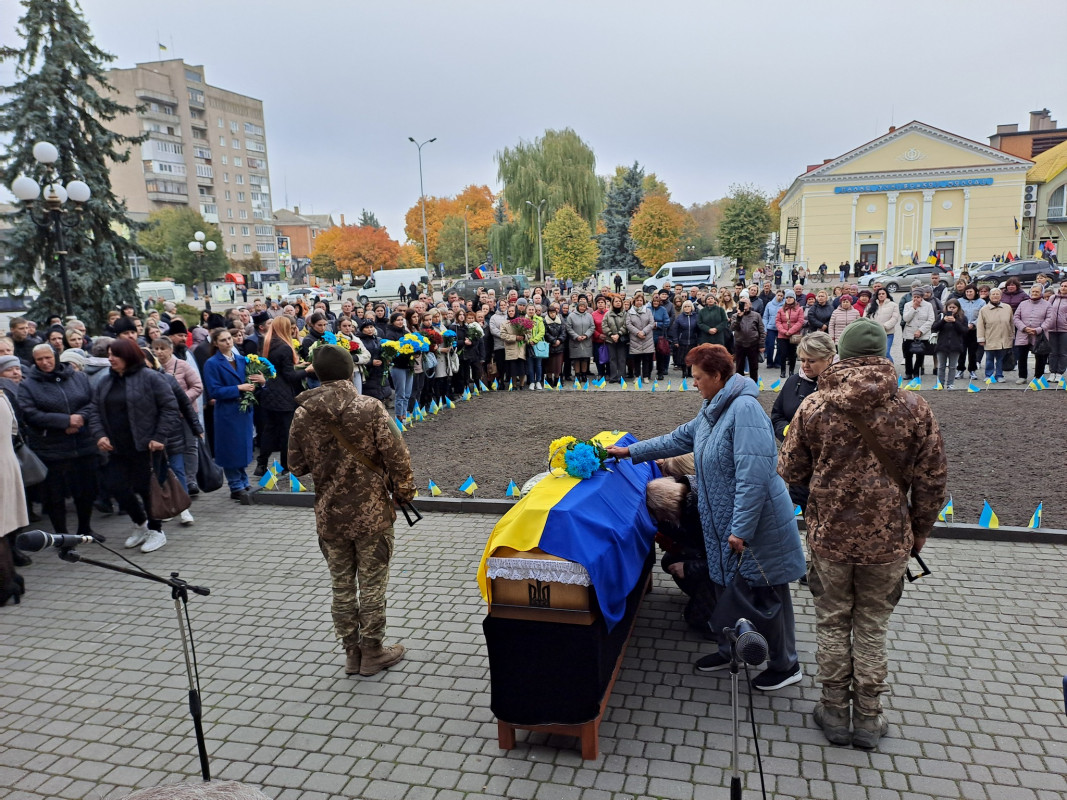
(622, 382)
(466, 394)
(559, 384)
(938, 386)
(1043, 383)
(946, 511)
(276, 467)
(295, 485)
(638, 383)
(655, 385)
(601, 523)
(914, 385)
(798, 512)
(400, 426)
(685, 386)
(513, 490)
(494, 386)
(510, 385)
(449, 401)
(482, 386)
(988, 519)
(269, 481)
(434, 408)
(989, 380)
(1035, 520)
(972, 387)
(576, 384)
(900, 381)
(586, 387)
(434, 489)
(668, 384)
(469, 486)
(761, 384)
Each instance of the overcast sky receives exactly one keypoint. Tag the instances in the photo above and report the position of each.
(704, 94)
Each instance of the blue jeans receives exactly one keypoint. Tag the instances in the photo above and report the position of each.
(403, 380)
(768, 346)
(177, 464)
(889, 345)
(236, 478)
(534, 370)
(994, 363)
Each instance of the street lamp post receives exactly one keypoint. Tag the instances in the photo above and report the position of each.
(200, 249)
(466, 253)
(540, 247)
(50, 217)
(422, 197)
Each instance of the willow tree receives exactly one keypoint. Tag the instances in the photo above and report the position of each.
(558, 168)
(60, 94)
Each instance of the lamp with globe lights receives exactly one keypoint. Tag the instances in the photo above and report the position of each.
(200, 248)
(49, 213)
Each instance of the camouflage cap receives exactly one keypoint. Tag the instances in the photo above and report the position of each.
(864, 337)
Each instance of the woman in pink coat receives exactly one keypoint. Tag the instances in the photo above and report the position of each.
(790, 322)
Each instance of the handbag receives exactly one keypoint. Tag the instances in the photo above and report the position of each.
(209, 476)
(663, 347)
(759, 604)
(429, 362)
(603, 355)
(1042, 346)
(916, 347)
(795, 338)
(540, 349)
(33, 469)
(166, 496)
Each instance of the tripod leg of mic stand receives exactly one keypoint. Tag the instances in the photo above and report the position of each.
(735, 777)
(194, 696)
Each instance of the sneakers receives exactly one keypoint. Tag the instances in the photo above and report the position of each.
(950, 387)
(867, 730)
(374, 659)
(140, 533)
(186, 518)
(153, 541)
(959, 373)
(771, 679)
(194, 490)
(833, 722)
(973, 376)
(713, 663)
(1020, 381)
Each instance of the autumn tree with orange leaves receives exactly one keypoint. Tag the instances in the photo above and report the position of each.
(446, 213)
(352, 248)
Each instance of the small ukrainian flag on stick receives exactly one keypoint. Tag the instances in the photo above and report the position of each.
(685, 386)
(482, 386)
(435, 490)
(295, 485)
(576, 384)
(900, 381)
(938, 386)
(638, 383)
(513, 490)
(622, 382)
(655, 385)
(269, 481)
(511, 385)
(798, 511)
(469, 486)
(1035, 520)
(973, 388)
(988, 518)
(585, 388)
(494, 386)
(947, 511)
(668, 384)
(777, 385)
(761, 384)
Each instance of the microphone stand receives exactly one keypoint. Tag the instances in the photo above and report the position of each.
(179, 591)
(735, 772)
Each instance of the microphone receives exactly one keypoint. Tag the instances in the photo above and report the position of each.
(748, 643)
(33, 541)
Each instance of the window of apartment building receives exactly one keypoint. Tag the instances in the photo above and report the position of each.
(1057, 203)
(196, 113)
(202, 152)
(209, 208)
(233, 230)
(265, 247)
(225, 177)
(248, 249)
(258, 213)
(199, 134)
(204, 191)
(204, 171)
(244, 230)
(165, 186)
(227, 194)
(229, 213)
(240, 197)
(236, 143)
(264, 230)
(237, 161)
(233, 249)
(194, 76)
(255, 147)
(222, 141)
(225, 160)
(195, 96)
(255, 163)
(221, 123)
(233, 126)
(240, 178)
(243, 214)
(257, 197)
(168, 167)
(255, 130)
(169, 147)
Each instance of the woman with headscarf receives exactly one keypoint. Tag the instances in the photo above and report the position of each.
(226, 380)
(617, 338)
(132, 416)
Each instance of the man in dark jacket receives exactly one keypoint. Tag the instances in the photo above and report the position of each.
(859, 550)
(24, 342)
(749, 337)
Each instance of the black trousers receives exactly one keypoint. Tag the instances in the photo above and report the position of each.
(643, 364)
(74, 478)
(749, 354)
(127, 475)
(913, 362)
(274, 436)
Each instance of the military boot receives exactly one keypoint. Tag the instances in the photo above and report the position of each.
(353, 657)
(376, 658)
(868, 729)
(834, 723)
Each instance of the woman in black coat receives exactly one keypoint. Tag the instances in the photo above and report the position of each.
(376, 384)
(54, 402)
(277, 398)
(951, 328)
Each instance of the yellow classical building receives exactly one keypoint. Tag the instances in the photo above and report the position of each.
(913, 190)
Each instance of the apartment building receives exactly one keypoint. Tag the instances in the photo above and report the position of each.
(206, 149)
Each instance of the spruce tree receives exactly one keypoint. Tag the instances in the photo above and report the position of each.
(60, 96)
(367, 219)
(616, 245)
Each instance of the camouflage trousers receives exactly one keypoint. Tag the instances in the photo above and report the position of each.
(359, 572)
(853, 603)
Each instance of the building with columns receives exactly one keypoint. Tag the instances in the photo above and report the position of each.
(915, 189)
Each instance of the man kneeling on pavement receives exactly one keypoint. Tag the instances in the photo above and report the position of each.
(362, 469)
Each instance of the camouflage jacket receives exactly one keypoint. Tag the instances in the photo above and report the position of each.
(856, 512)
(350, 500)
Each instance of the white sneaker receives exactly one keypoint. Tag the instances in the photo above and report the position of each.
(186, 518)
(154, 541)
(1020, 380)
(959, 373)
(532, 386)
(974, 376)
(140, 532)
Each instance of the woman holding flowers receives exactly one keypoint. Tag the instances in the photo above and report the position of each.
(447, 361)
(227, 381)
(513, 332)
(402, 368)
(473, 353)
(277, 398)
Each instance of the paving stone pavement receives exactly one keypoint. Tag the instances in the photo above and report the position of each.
(93, 693)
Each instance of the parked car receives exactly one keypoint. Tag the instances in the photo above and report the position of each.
(1025, 270)
(904, 274)
(468, 288)
(309, 295)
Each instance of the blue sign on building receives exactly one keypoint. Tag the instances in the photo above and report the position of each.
(904, 187)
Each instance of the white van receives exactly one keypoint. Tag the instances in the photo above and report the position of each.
(384, 284)
(687, 273)
(161, 290)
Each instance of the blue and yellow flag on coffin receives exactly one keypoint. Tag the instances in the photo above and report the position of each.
(601, 523)
(513, 490)
(946, 511)
(469, 486)
(482, 386)
(1035, 520)
(434, 489)
(988, 519)
(269, 481)
(295, 485)
(494, 385)
(973, 388)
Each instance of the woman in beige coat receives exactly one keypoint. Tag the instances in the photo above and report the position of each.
(640, 325)
(996, 332)
(12, 505)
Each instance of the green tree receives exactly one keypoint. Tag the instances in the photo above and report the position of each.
(624, 195)
(60, 95)
(450, 245)
(166, 238)
(558, 168)
(569, 245)
(746, 222)
(367, 219)
(657, 230)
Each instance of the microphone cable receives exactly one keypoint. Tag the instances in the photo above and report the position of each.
(755, 739)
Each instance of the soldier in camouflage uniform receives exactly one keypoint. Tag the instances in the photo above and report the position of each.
(354, 512)
(860, 526)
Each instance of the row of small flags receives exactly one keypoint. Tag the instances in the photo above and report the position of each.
(988, 518)
(273, 474)
(469, 487)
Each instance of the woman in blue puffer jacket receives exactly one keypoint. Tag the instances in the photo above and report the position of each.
(744, 504)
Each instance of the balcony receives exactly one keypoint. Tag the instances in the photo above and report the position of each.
(160, 136)
(152, 96)
(159, 116)
(197, 123)
(168, 197)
